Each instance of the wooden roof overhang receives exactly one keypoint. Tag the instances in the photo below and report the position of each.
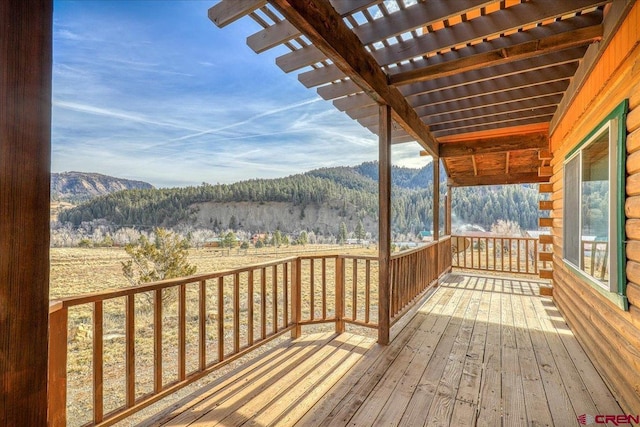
(475, 82)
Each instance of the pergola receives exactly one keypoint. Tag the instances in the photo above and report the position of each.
(477, 83)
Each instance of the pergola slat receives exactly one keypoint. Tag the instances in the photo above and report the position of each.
(272, 36)
(228, 11)
(321, 76)
(300, 58)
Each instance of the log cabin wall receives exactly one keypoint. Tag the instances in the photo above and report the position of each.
(609, 334)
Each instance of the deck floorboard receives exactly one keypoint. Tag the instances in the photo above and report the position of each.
(482, 351)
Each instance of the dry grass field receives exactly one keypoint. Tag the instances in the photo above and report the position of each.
(76, 271)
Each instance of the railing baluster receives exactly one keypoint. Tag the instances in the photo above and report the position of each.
(157, 340)
(472, 262)
(367, 291)
(296, 297)
(486, 253)
(285, 294)
(98, 385)
(220, 319)
(312, 291)
(250, 308)
(274, 282)
(263, 305)
(202, 325)
(236, 312)
(510, 254)
(495, 249)
(324, 288)
(354, 288)
(339, 295)
(130, 351)
(182, 332)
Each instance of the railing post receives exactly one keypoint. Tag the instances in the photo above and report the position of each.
(340, 295)
(57, 388)
(296, 298)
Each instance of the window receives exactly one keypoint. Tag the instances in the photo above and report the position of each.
(593, 221)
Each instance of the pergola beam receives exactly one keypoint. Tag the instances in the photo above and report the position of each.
(510, 178)
(533, 141)
(325, 28)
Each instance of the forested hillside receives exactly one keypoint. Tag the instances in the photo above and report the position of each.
(330, 195)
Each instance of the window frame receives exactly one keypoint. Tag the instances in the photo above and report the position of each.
(615, 122)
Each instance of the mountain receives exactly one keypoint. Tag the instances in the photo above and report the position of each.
(318, 200)
(77, 187)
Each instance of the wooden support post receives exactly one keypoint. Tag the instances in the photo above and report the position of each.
(436, 213)
(436, 199)
(25, 166)
(447, 222)
(384, 223)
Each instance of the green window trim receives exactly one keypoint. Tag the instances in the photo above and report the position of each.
(619, 114)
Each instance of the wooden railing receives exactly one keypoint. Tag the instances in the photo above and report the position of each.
(115, 352)
(495, 253)
(414, 272)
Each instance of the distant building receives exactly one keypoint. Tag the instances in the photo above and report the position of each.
(214, 242)
(258, 236)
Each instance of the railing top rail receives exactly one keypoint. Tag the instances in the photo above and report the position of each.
(493, 236)
(74, 300)
(318, 256)
(415, 250)
(360, 257)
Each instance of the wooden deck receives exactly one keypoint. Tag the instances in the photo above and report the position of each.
(481, 351)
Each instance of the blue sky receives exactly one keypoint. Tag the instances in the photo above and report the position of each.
(152, 90)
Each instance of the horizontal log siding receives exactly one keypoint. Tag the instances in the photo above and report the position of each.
(609, 335)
